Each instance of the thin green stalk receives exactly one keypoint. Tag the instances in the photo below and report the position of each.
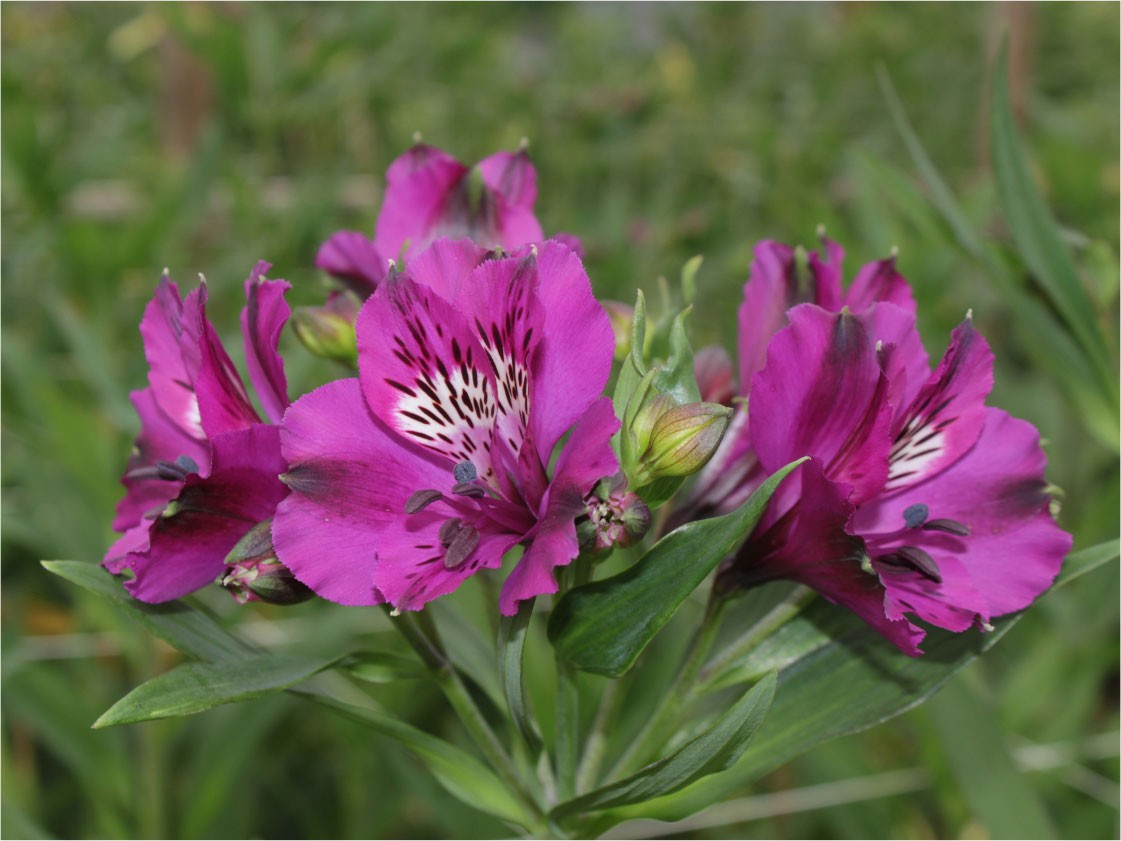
(657, 728)
(596, 745)
(421, 634)
(568, 698)
(778, 616)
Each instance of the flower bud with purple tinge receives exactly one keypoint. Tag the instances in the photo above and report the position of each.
(255, 574)
(681, 440)
(328, 331)
(613, 518)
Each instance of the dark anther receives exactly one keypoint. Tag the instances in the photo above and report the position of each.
(951, 526)
(465, 472)
(467, 489)
(188, 464)
(449, 530)
(915, 515)
(172, 471)
(462, 545)
(421, 500)
(916, 559)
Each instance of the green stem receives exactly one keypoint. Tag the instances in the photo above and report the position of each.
(596, 746)
(568, 698)
(657, 729)
(778, 616)
(421, 634)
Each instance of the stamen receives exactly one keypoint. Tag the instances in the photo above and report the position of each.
(465, 472)
(449, 530)
(915, 515)
(912, 557)
(468, 489)
(188, 464)
(462, 545)
(946, 525)
(421, 500)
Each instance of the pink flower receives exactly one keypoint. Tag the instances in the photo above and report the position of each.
(205, 467)
(434, 463)
(780, 278)
(919, 501)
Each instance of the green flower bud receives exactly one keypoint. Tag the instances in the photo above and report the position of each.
(681, 440)
(328, 331)
(255, 573)
(621, 316)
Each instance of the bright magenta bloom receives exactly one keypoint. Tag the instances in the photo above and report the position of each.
(205, 467)
(434, 463)
(429, 195)
(919, 501)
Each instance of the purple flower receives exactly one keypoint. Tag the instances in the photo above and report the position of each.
(781, 277)
(431, 195)
(919, 500)
(433, 464)
(205, 467)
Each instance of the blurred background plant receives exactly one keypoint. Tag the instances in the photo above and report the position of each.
(203, 137)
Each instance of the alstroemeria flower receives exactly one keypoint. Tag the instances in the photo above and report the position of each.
(781, 277)
(431, 195)
(434, 463)
(919, 500)
(205, 467)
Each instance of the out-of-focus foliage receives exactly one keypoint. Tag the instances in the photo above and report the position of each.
(203, 137)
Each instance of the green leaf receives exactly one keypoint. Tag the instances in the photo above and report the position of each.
(713, 751)
(604, 626)
(1034, 230)
(677, 376)
(855, 681)
(511, 649)
(193, 687)
(460, 773)
(384, 667)
(689, 278)
(180, 624)
(1081, 562)
(996, 791)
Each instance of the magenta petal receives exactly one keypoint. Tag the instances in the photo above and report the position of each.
(222, 400)
(188, 550)
(1014, 549)
(171, 330)
(570, 241)
(809, 545)
(903, 359)
(716, 378)
(826, 267)
(349, 479)
(947, 413)
(575, 350)
(446, 266)
(352, 258)
(822, 394)
(262, 321)
(587, 458)
(425, 375)
(879, 282)
(763, 311)
(160, 439)
(512, 179)
(419, 185)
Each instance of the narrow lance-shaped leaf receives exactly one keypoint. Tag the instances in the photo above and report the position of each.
(713, 751)
(511, 649)
(180, 624)
(853, 682)
(604, 626)
(193, 687)
(1037, 235)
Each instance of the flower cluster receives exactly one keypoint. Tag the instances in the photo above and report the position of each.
(477, 423)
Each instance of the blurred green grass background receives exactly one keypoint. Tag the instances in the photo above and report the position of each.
(203, 137)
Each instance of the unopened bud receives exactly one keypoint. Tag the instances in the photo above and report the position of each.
(255, 573)
(612, 518)
(682, 441)
(328, 331)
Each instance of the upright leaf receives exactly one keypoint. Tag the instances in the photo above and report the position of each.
(604, 626)
(713, 751)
